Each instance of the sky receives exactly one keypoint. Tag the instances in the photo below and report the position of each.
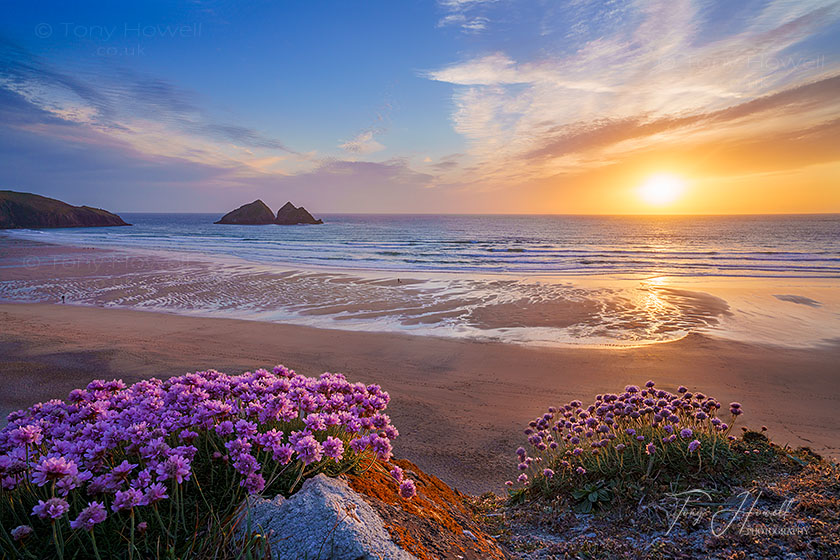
(447, 106)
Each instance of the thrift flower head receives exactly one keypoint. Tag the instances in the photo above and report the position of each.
(407, 489)
(333, 448)
(54, 508)
(309, 450)
(127, 499)
(397, 473)
(694, 446)
(175, 467)
(53, 468)
(93, 514)
(382, 447)
(155, 493)
(26, 435)
(283, 454)
(21, 532)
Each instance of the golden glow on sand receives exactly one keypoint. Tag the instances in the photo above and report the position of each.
(661, 189)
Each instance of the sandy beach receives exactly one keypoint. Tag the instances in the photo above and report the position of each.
(460, 402)
(460, 405)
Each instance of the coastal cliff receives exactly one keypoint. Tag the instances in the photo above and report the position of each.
(26, 210)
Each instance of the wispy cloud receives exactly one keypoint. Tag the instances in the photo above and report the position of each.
(363, 144)
(151, 114)
(666, 72)
(461, 13)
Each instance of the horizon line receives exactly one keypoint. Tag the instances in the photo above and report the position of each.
(661, 215)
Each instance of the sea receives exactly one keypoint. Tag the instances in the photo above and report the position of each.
(743, 246)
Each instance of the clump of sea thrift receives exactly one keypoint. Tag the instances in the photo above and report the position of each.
(626, 436)
(109, 459)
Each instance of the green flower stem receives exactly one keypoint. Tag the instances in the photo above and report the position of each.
(95, 548)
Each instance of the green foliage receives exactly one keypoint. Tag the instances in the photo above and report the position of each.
(591, 496)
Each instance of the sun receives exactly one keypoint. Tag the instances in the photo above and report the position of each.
(661, 189)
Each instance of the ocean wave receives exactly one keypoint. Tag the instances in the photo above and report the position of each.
(789, 246)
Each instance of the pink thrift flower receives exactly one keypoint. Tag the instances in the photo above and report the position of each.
(21, 532)
(26, 435)
(94, 513)
(175, 467)
(309, 450)
(53, 468)
(333, 448)
(407, 489)
(127, 499)
(155, 493)
(54, 508)
(397, 473)
(283, 454)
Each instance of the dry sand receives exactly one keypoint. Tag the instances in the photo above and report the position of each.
(460, 405)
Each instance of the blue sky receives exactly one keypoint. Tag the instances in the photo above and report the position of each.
(416, 106)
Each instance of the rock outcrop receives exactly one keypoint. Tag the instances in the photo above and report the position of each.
(436, 524)
(325, 519)
(289, 215)
(26, 210)
(362, 517)
(253, 214)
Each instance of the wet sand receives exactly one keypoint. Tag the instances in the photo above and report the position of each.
(460, 405)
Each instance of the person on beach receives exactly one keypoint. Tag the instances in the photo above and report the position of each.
(62, 298)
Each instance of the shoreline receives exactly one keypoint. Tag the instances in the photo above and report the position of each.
(460, 404)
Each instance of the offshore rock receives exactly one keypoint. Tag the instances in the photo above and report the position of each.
(254, 214)
(289, 215)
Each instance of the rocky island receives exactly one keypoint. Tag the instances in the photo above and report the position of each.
(257, 213)
(253, 214)
(291, 215)
(26, 210)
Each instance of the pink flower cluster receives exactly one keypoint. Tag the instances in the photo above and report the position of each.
(129, 446)
(643, 418)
